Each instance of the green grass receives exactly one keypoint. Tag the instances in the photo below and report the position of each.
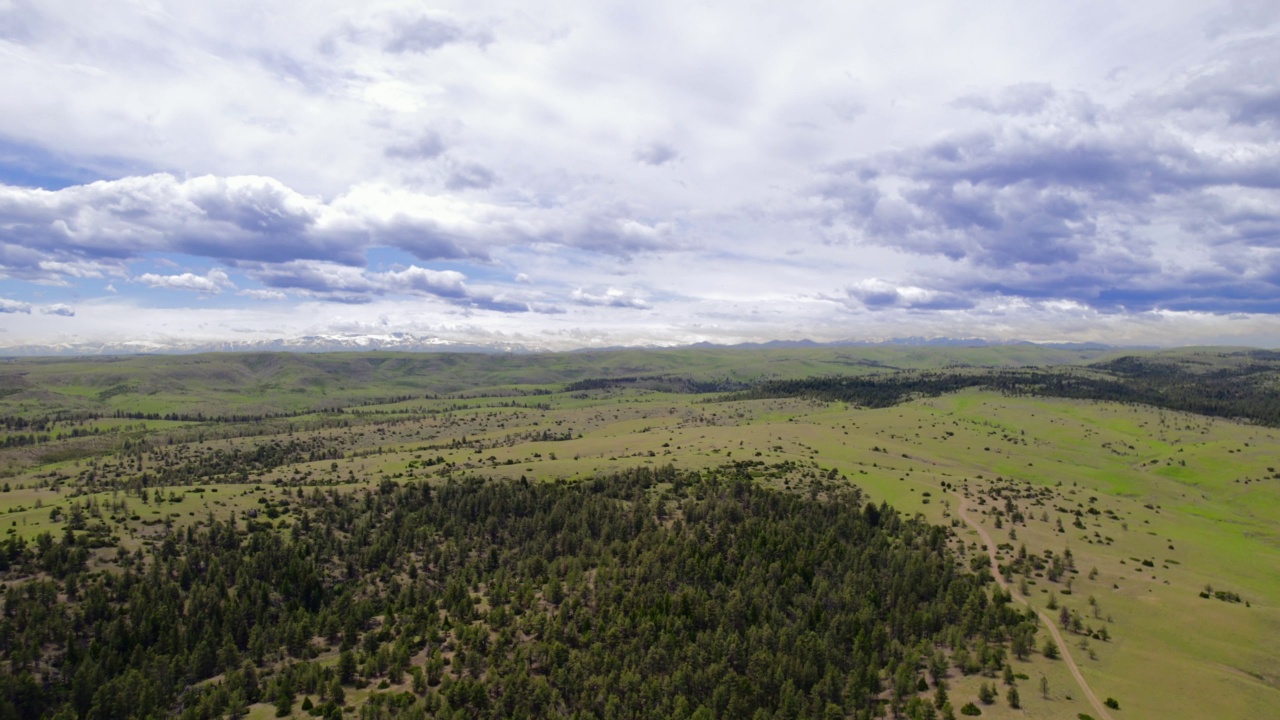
(1211, 492)
(278, 382)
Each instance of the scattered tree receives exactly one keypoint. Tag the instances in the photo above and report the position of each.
(986, 693)
(1050, 649)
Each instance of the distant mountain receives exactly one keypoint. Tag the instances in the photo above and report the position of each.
(915, 341)
(408, 342)
(404, 342)
(978, 342)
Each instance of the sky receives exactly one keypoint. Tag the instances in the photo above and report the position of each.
(556, 175)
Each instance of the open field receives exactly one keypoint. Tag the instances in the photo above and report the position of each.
(1154, 506)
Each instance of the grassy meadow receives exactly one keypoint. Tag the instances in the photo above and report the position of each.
(1156, 507)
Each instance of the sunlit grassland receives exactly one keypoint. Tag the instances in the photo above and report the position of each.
(1174, 654)
(1197, 498)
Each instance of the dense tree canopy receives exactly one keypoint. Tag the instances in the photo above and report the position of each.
(651, 593)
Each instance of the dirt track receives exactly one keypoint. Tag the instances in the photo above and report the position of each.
(1044, 617)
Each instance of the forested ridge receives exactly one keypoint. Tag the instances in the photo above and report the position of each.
(648, 593)
(1248, 391)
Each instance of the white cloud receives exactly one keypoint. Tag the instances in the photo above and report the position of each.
(342, 283)
(58, 309)
(211, 282)
(415, 280)
(759, 170)
(875, 293)
(87, 231)
(14, 306)
(263, 294)
(1020, 99)
(609, 297)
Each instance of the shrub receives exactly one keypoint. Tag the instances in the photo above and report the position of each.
(1112, 703)
(970, 709)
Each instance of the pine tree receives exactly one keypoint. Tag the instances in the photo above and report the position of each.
(346, 667)
(284, 702)
(986, 693)
(1050, 649)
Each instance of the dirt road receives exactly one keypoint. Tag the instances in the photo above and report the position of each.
(1044, 617)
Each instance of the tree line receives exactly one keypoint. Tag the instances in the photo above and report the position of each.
(1249, 391)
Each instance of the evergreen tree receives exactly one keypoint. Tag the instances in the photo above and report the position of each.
(1050, 649)
(284, 702)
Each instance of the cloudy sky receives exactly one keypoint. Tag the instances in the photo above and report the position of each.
(561, 174)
